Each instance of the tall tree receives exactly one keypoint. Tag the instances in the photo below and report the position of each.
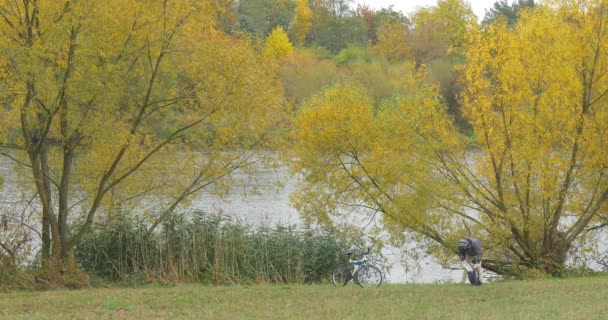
(503, 9)
(302, 22)
(438, 40)
(105, 95)
(260, 17)
(225, 14)
(532, 186)
(536, 98)
(393, 41)
(440, 30)
(336, 25)
(374, 19)
(368, 15)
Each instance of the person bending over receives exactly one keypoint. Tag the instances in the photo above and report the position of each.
(470, 252)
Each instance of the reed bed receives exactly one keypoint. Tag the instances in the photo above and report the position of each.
(210, 249)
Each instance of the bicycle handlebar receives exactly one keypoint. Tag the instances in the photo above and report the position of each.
(350, 253)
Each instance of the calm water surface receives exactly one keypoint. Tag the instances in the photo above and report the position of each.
(270, 205)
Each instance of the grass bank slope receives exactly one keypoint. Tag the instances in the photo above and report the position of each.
(580, 298)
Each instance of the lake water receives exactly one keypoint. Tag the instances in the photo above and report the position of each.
(271, 205)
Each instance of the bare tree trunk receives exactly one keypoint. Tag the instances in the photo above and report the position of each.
(46, 238)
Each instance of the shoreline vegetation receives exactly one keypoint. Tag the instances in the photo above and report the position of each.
(194, 248)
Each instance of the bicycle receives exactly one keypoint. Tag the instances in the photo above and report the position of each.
(363, 273)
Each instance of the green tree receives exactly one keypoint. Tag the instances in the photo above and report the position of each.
(353, 54)
(225, 14)
(438, 40)
(503, 9)
(374, 19)
(368, 15)
(392, 16)
(260, 17)
(335, 25)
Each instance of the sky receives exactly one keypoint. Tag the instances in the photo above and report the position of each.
(409, 6)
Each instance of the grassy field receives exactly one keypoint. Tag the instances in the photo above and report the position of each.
(581, 298)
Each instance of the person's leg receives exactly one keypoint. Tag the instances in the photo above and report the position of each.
(465, 276)
(477, 267)
(465, 273)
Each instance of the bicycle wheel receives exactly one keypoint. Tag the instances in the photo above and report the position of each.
(341, 275)
(369, 276)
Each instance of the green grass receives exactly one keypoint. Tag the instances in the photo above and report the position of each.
(580, 298)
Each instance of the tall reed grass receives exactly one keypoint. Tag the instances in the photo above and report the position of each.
(210, 249)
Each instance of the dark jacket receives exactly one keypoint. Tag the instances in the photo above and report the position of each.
(474, 251)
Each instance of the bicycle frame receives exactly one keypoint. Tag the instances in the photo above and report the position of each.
(342, 274)
(358, 263)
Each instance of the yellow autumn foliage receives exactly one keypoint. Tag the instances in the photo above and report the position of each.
(302, 22)
(113, 101)
(356, 156)
(393, 42)
(278, 45)
(530, 179)
(536, 98)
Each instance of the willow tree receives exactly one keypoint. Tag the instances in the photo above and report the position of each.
(115, 100)
(537, 98)
(367, 165)
(532, 183)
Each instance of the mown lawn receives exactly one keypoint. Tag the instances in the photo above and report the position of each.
(580, 298)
